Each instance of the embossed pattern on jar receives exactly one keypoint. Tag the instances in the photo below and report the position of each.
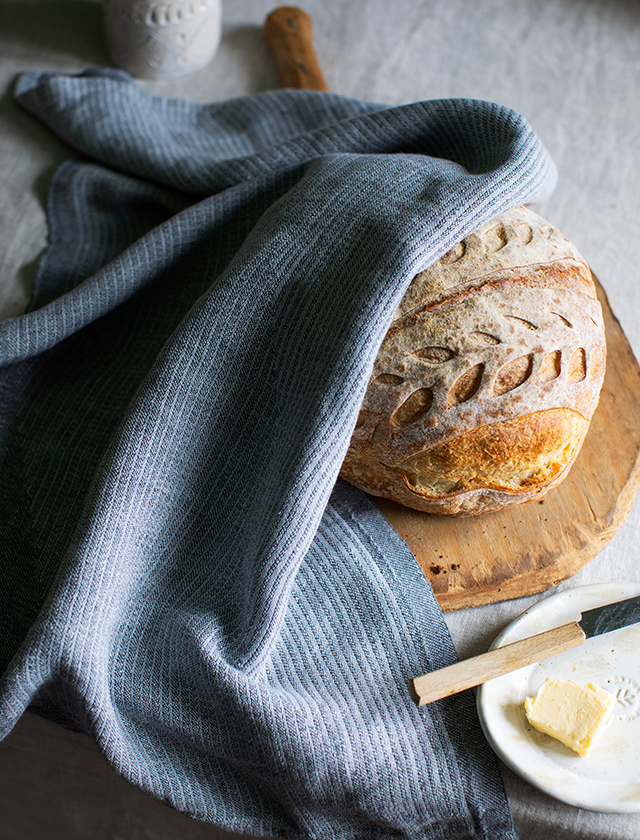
(154, 39)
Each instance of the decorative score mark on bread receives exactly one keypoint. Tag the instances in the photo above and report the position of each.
(485, 384)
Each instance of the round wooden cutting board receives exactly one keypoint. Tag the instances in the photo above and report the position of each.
(531, 547)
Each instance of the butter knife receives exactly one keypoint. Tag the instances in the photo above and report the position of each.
(478, 669)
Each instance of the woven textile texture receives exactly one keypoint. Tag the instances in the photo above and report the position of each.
(184, 578)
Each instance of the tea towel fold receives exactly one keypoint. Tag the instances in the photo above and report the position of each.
(185, 578)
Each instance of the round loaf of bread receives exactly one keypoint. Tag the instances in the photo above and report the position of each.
(485, 384)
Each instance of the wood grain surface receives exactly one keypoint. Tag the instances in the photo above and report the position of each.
(529, 548)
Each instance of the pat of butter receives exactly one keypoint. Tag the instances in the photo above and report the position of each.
(572, 713)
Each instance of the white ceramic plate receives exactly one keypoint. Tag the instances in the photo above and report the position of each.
(608, 778)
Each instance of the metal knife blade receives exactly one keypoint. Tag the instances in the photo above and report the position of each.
(610, 617)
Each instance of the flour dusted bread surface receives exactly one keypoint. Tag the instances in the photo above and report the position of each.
(486, 381)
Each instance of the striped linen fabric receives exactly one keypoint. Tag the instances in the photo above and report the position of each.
(186, 580)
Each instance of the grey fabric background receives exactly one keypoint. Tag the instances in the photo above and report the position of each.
(570, 66)
(232, 630)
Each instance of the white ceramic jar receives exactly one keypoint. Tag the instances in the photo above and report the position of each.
(156, 39)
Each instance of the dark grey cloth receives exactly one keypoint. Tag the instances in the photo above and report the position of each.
(186, 579)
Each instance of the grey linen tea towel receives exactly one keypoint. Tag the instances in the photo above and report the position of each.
(185, 578)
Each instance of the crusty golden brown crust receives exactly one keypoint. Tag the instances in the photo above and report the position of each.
(484, 386)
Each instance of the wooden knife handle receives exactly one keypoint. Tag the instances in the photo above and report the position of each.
(287, 31)
(494, 663)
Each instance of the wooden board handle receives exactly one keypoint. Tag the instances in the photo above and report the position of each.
(287, 31)
(494, 663)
